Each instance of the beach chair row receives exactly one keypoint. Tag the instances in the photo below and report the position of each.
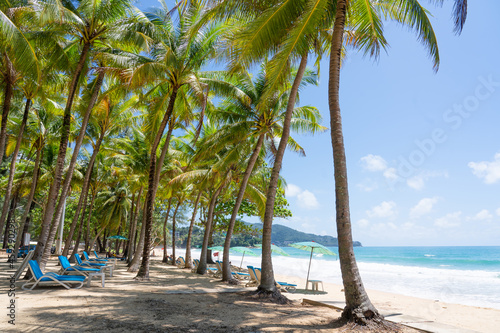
(70, 276)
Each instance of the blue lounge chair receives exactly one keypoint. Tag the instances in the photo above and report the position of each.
(66, 267)
(51, 278)
(209, 269)
(100, 266)
(284, 286)
(87, 263)
(235, 274)
(86, 255)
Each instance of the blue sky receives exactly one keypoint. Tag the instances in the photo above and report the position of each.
(423, 148)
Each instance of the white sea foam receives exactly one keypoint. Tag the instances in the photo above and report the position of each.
(468, 287)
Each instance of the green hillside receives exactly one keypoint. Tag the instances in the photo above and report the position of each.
(283, 236)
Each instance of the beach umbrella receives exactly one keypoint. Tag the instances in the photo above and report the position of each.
(275, 249)
(216, 248)
(118, 237)
(244, 250)
(313, 247)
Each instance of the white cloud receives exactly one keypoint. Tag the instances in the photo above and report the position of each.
(489, 172)
(450, 220)
(423, 207)
(373, 163)
(386, 209)
(483, 215)
(292, 190)
(417, 182)
(363, 223)
(305, 199)
(391, 174)
(498, 211)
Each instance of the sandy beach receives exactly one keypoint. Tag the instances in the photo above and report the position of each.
(176, 300)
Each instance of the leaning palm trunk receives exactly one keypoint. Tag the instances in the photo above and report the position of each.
(152, 185)
(7, 99)
(78, 237)
(27, 207)
(134, 264)
(12, 170)
(132, 240)
(267, 278)
(202, 266)
(84, 194)
(358, 305)
(61, 156)
(189, 260)
(71, 168)
(226, 268)
(165, 257)
(88, 246)
(173, 232)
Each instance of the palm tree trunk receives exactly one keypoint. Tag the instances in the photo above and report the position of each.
(267, 277)
(132, 235)
(61, 156)
(71, 168)
(87, 235)
(12, 169)
(173, 231)
(165, 257)
(358, 305)
(84, 194)
(226, 267)
(189, 259)
(141, 248)
(78, 237)
(130, 225)
(27, 209)
(7, 99)
(152, 185)
(202, 266)
(13, 205)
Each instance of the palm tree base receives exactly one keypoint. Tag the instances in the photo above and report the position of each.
(274, 295)
(363, 315)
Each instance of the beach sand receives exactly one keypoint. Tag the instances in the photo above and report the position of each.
(176, 300)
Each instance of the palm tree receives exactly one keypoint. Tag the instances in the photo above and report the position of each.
(18, 56)
(246, 115)
(113, 113)
(177, 58)
(358, 305)
(88, 23)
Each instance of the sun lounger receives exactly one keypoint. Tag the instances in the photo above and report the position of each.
(51, 278)
(67, 268)
(237, 275)
(102, 261)
(283, 286)
(117, 258)
(254, 281)
(210, 270)
(101, 267)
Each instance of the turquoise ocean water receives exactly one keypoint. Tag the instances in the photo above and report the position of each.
(463, 275)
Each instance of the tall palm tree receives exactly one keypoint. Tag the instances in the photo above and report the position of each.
(177, 59)
(248, 118)
(88, 23)
(18, 56)
(111, 115)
